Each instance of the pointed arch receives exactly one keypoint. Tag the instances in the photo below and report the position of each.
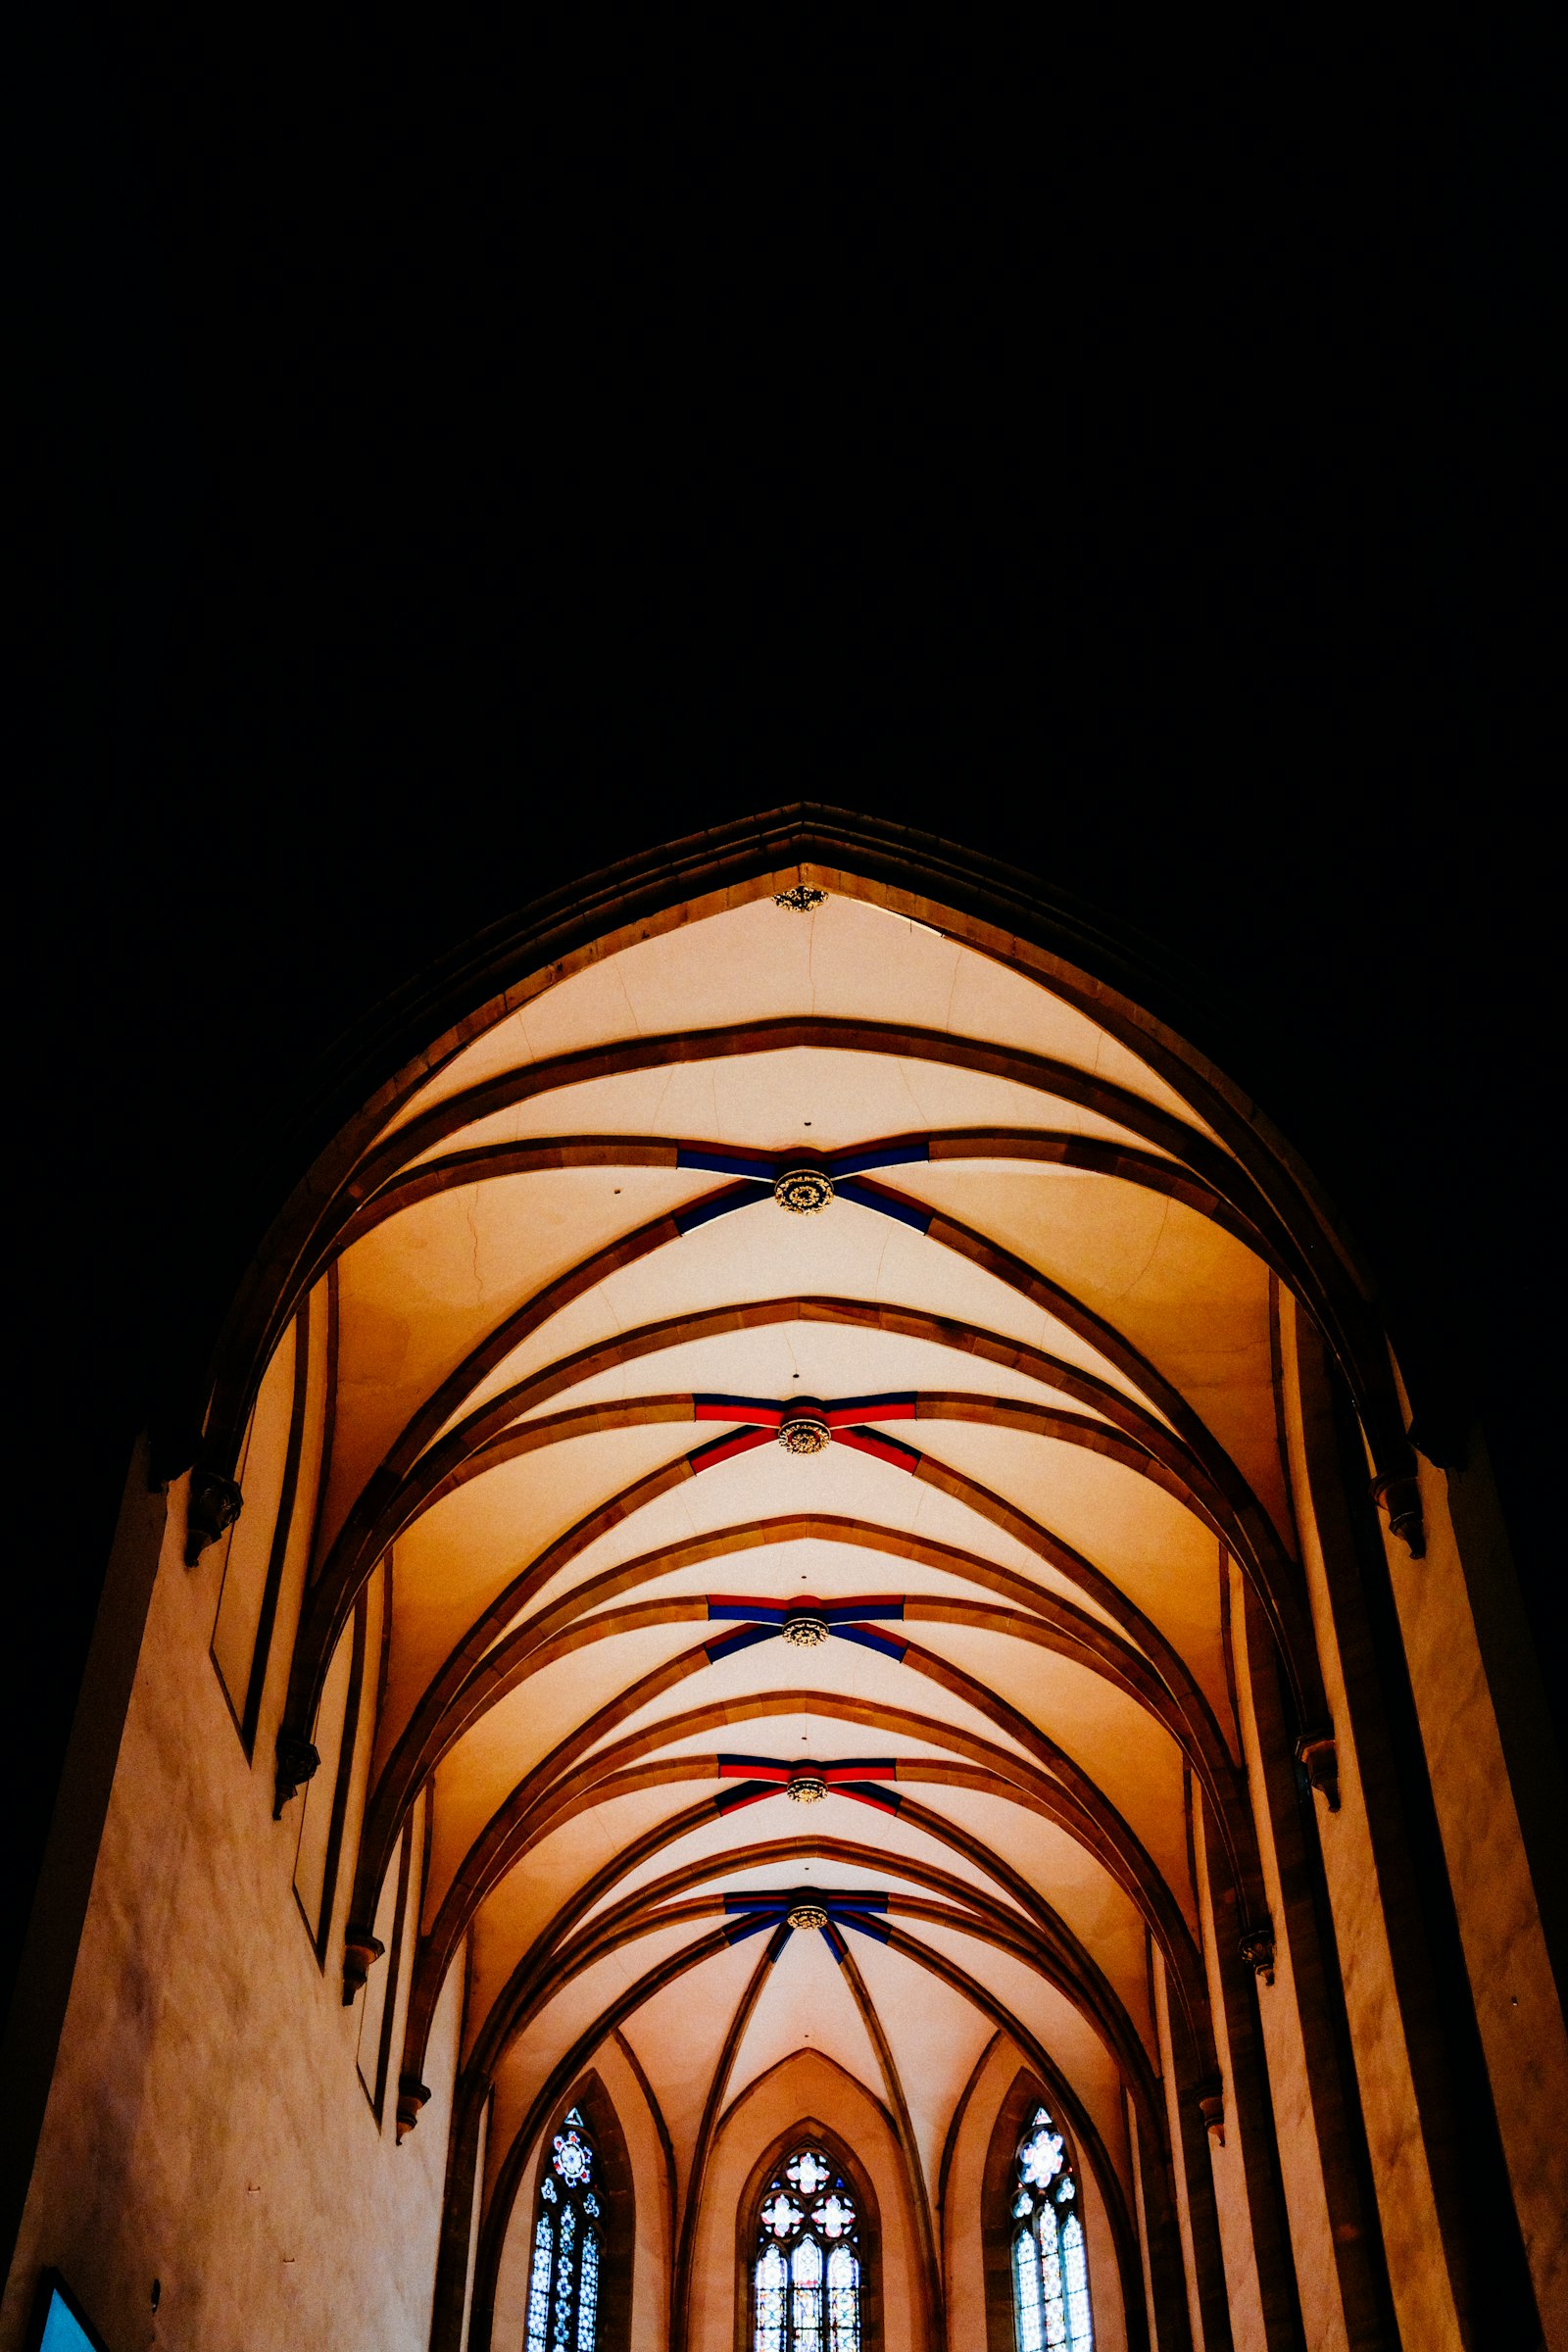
(997, 912)
(810, 2132)
(587, 2281)
(1024, 2097)
(1201, 1146)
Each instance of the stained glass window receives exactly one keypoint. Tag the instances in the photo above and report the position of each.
(806, 2259)
(806, 2296)
(563, 2284)
(588, 2294)
(772, 2276)
(842, 2301)
(1075, 2269)
(1051, 2281)
(1050, 2263)
(544, 2250)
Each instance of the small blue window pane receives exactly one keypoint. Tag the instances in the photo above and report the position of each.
(588, 2295)
(1026, 2294)
(772, 2276)
(1081, 2333)
(62, 2330)
(544, 2255)
(842, 2301)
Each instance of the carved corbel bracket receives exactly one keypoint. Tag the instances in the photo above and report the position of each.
(212, 1509)
(1210, 2100)
(1257, 1950)
(1319, 1757)
(1398, 1497)
(412, 2096)
(360, 1953)
(297, 1762)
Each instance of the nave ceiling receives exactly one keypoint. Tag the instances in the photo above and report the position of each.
(726, 1553)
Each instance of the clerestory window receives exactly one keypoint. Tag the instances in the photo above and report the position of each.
(1049, 2259)
(567, 2244)
(805, 2263)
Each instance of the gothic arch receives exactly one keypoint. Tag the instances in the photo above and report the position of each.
(810, 2129)
(1026, 2093)
(800, 1326)
(617, 2196)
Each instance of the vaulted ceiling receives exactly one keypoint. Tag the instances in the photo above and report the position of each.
(751, 1544)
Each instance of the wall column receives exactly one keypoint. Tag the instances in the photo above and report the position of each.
(459, 2218)
(1165, 2276)
(1517, 1998)
(1408, 2050)
(1322, 2140)
(1207, 2302)
(1265, 2310)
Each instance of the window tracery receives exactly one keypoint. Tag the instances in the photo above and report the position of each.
(567, 2244)
(806, 2262)
(1050, 2260)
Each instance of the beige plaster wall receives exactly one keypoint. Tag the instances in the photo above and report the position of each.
(207, 2126)
(802, 2087)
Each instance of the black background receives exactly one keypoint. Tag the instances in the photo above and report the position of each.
(452, 459)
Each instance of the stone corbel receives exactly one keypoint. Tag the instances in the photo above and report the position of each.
(212, 1509)
(1257, 1950)
(412, 2096)
(297, 1762)
(1398, 1497)
(1319, 1758)
(1210, 2100)
(360, 1953)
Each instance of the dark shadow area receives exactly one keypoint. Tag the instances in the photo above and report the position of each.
(451, 465)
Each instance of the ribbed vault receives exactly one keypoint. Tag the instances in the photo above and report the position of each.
(870, 1534)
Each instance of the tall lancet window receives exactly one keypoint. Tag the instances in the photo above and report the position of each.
(567, 2244)
(806, 2264)
(1049, 2264)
